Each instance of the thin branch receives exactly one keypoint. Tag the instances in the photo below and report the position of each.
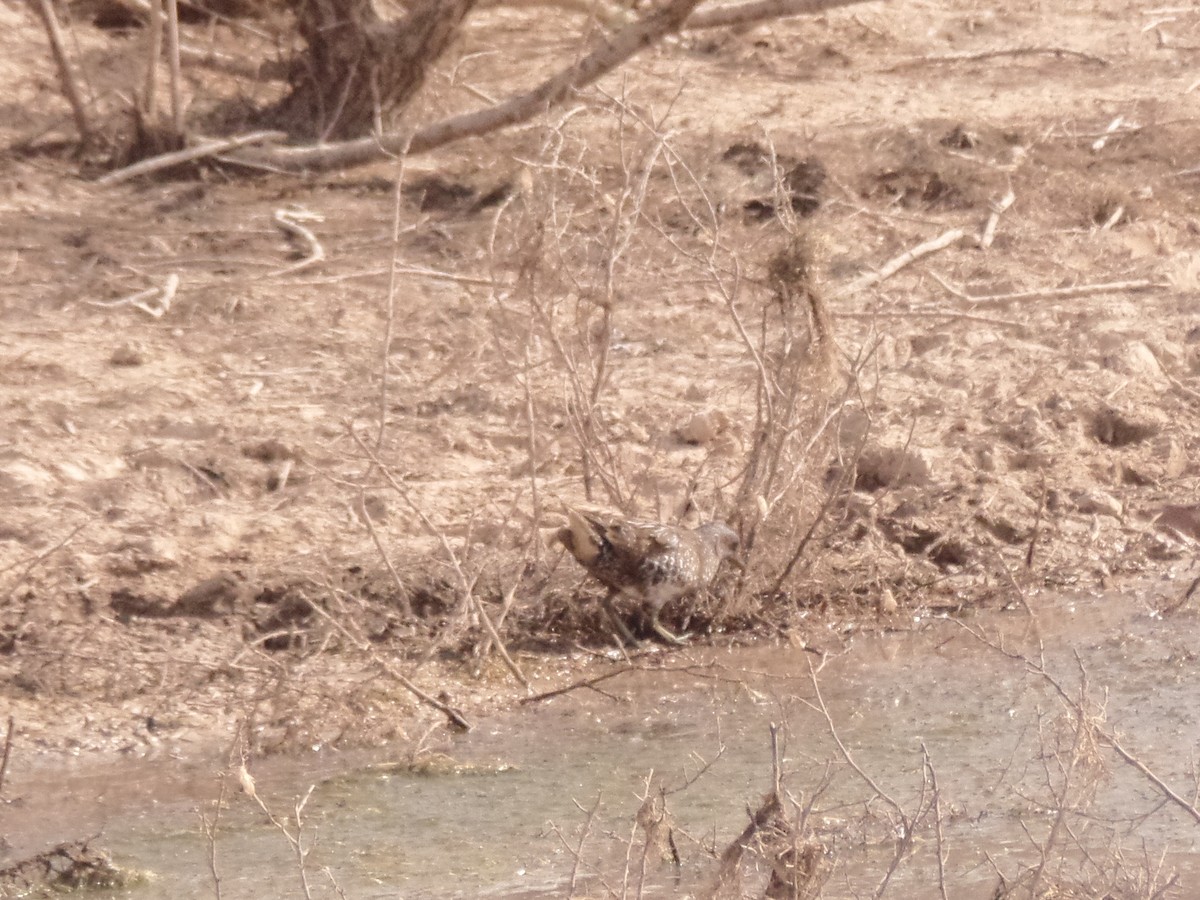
(575, 685)
(176, 79)
(455, 717)
(45, 11)
(149, 105)
(8, 737)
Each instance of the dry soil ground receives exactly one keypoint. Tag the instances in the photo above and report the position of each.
(186, 531)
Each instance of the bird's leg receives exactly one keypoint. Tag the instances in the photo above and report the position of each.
(661, 630)
(622, 628)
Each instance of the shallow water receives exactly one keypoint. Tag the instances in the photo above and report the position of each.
(502, 832)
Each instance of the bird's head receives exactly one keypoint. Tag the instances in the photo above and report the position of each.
(723, 539)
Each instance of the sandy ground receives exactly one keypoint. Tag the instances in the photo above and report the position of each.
(186, 543)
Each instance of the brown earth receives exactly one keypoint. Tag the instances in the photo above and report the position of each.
(186, 540)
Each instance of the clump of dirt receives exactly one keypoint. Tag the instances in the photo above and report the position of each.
(68, 867)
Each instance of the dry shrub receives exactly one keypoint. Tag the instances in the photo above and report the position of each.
(779, 499)
(606, 244)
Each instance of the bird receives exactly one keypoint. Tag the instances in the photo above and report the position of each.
(651, 561)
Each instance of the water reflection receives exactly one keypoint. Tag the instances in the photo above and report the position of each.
(984, 720)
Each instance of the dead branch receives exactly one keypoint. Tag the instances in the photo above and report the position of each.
(468, 584)
(209, 827)
(149, 102)
(188, 154)
(616, 49)
(575, 685)
(931, 314)
(296, 840)
(577, 850)
(998, 208)
(456, 718)
(935, 805)
(894, 265)
(289, 221)
(211, 58)
(8, 737)
(550, 93)
(509, 662)
(1059, 52)
(164, 297)
(45, 11)
(1079, 290)
(760, 10)
(175, 78)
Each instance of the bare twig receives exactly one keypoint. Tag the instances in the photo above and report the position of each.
(41, 557)
(209, 826)
(390, 303)
(401, 587)
(294, 840)
(456, 718)
(500, 648)
(211, 58)
(577, 851)
(576, 685)
(935, 802)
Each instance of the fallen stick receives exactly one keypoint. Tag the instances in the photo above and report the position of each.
(1079, 290)
(456, 718)
(576, 685)
(998, 208)
(615, 49)
(894, 265)
(995, 54)
(1113, 127)
(758, 10)
(289, 221)
(188, 154)
(7, 750)
(550, 93)
(165, 297)
(932, 314)
(500, 648)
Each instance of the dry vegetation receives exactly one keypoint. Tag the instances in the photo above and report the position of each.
(911, 304)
